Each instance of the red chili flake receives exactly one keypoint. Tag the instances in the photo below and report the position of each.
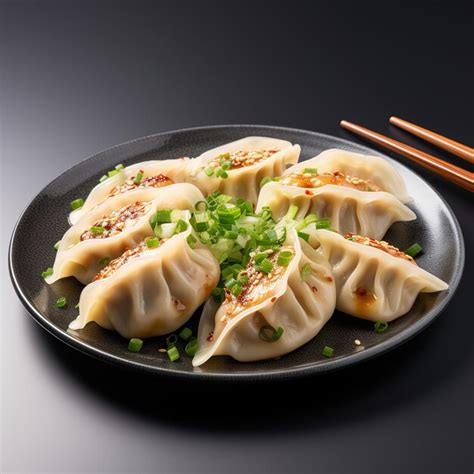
(308, 193)
(273, 299)
(329, 278)
(210, 337)
(314, 289)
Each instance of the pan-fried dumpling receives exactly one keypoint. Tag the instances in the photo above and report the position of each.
(237, 168)
(363, 172)
(150, 290)
(298, 297)
(350, 210)
(118, 224)
(148, 174)
(374, 280)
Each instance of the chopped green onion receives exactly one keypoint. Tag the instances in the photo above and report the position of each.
(104, 261)
(185, 334)
(57, 244)
(112, 173)
(48, 272)
(77, 306)
(201, 206)
(328, 351)
(236, 289)
(226, 165)
(270, 334)
(224, 156)
(291, 213)
(152, 242)
(218, 294)
(201, 221)
(310, 170)
(173, 353)
(309, 219)
(171, 340)
(264, 265)
(323, 223)
(220, 173)
(191, 240)
(380, 326)
(77, 204)
(303, 235)
(191, 348)
(97, 229)
(119, 167)
(181, 226)
(305, 271)
(61, 302)
(284, 258)
(209, 171)
(413, 250)
(265, 180)
(103, 178)
(138, 178)
(162, 216)
(135, 344)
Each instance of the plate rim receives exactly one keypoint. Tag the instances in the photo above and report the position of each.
(260, 375)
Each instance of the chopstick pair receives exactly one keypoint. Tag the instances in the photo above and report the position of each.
(453, 173)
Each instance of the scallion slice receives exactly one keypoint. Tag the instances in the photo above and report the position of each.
(305, 271)
(209, 171)
(162, 216)
(328, 351)
(218, 294)
(264, 265)
(191, 348)
(265, 180)
(185, 334)
(270, 334)
(304, 236)
(323, 223)
(112, 173)
(77, 203)
(104, 261)
(226, 165)
(173, 353)
(380, 326)
(97, 229)
(57, 244)
(61, 302)
(48, 272)
(103, 178)
(181, 226)
(171, 340)
(310, 170)
(135, 344)
(152, 242)
(119, 167)
(138, 178)
(191, 240)
(284, 258)
(414, 250)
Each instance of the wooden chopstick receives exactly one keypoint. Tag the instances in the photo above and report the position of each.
(451, 172)
(454, 147)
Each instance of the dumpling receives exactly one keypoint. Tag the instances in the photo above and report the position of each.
(298, 297)
(237, 168)
(374, 280)
(148, 174)
(150, 291)
(349, 210)
(363, 172)
(118, 224)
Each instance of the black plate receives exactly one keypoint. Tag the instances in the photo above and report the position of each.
(45, 220)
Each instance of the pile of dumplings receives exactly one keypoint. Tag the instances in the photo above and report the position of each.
(296, 242)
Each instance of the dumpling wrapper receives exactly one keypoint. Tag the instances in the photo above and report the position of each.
(375, 169)
(389, 284)
(300, 307)
(81, 259)
(176, 170)
(244, 182)
(153, 294)
(350, 210)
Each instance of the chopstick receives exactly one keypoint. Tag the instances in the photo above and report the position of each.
(451, 172)
(454, 147)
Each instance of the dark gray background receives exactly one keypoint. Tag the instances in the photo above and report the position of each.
(78, 77)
